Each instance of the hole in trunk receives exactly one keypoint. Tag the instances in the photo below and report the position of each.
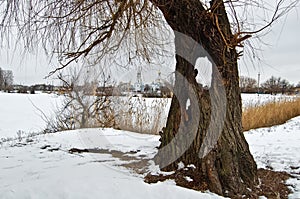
(204, 67)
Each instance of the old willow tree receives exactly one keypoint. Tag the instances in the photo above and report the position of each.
(208, 133)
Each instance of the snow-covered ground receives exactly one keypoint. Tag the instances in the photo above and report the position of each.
(253, 99)
(33, 172)
(21, 112)
(278, 148)
(42, 167)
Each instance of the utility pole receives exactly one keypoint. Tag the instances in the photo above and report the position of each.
(258, 79)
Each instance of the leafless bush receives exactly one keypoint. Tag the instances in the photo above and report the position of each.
(88, 101)
(85, 103)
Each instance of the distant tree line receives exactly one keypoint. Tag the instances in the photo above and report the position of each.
(273, 85)
(6, 79)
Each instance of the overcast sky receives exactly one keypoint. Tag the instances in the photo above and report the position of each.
(281, 58)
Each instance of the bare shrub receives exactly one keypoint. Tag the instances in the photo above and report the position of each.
(85, 103)
(90, 102)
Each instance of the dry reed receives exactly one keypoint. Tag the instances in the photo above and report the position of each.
(270, 114)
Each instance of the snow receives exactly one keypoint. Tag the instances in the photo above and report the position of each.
(180, 165)
(278, 148)
(253, 99)
(40, 166)
(32, 172)
(19, 112)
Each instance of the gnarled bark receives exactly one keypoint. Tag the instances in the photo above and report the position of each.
(228, 168)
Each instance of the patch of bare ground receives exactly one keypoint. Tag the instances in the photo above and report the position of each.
(184, 177)
(272, 183)
(138, 164)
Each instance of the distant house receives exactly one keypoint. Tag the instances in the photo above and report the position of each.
(41, 87)
(20, 88)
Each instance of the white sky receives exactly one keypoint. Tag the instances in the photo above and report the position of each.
(281, 58)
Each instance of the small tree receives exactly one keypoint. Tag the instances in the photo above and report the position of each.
(248, 84)
(276, 85)
(1, 79)
(147, 88)
(84, 105)
(284, 86)
(8, 79)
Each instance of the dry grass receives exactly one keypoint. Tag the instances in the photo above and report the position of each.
(270, 114)
(143, 115)
(149, 116)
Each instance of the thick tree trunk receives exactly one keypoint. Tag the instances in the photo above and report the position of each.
(228, 168)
